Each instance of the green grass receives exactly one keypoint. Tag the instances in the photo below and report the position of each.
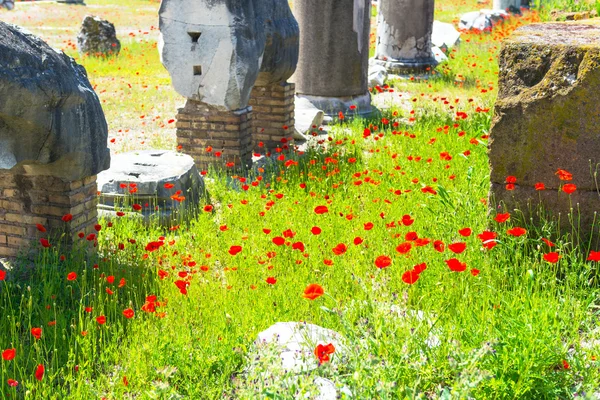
(505, 332)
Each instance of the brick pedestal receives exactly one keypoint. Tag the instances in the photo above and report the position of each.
(272, 109)
(228, 133)
(29, 200)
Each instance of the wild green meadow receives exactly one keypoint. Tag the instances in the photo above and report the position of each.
(437, 295)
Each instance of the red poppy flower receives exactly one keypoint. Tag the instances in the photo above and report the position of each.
(298, 246)
(358, 240)
(101, 320)
(67, 217)
(39, 372)
(322, 352)
(474, 272)
(540, 186)
(569, 188)
(551, 257)
(313, 291)
(368, 226)
(289, 233)
(548, 242)
(407, 220)
(383, 262)
(12, 383)
(438, 245)
(2, 275)
(565, 364)
(45, 243)
(458, 247)
(456, 265)
(278, 240)
(516, 231)
(40, 227)
(410, 277)
(315, 230)
(128, 313)
(564, 175)
(411, 236)
(339, 249)
(403, 248)
(36, 333)
(488, 238)
(511, 179)
(594, 256)
(233, 250)
(321, 209)
(271, 280)
(71, 276)
(169, 186)
(420, 268)
(91, 237)
(136, 207)
(465, 232)
(9, 354)
(500, 218)
(208, 208)
(182, 286)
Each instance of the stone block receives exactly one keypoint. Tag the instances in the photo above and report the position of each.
(546, 115)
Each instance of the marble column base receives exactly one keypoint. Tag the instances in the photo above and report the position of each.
(332, 106)
(399, 67)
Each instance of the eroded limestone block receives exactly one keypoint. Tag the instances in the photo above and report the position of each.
(51, 120)
(160, 178)
(97, 37)
(212, 49)
(547, 117)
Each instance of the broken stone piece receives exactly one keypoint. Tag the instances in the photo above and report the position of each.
(51, 120)
(97, 37)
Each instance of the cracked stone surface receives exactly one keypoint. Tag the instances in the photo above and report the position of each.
(546, 118)
(51, 120)
(216, 50)
(404, 31)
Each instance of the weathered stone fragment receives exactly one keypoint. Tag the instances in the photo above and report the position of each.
(160, 178)
(404, 35)
(97, 37)
(332, 71)
(51, 120)
(547, 118)
(212, 49)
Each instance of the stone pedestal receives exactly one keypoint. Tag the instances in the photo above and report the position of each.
(334, 55)
(404, 35)
(505, 4)
(546, 119)
(26, 201)
(227, 134)
(272, 114)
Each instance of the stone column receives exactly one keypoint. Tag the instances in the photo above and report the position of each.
(504, 4)
(333, 63)
(404, 35)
